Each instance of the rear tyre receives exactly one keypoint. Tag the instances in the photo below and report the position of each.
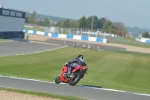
(75, 80)
(57, 80)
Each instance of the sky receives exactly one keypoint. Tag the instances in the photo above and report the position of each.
(133, 13)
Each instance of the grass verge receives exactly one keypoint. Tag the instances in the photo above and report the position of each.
(41, 94)
(107, 69)
(127, 41)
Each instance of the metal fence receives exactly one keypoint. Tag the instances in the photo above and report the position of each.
(79, 31)
(83, 32)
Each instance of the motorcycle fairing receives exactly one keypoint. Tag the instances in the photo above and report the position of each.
(78, 68)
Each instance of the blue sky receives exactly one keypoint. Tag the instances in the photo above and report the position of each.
(130, 12)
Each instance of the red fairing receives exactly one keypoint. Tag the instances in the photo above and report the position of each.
(64, 70)
(62, 78)
(79, 67)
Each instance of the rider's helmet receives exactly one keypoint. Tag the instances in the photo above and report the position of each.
(80, 56)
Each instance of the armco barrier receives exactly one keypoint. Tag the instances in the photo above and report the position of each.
(148, 41)
(45, 33)
(145, 40)
(67, 36)
(54, 35)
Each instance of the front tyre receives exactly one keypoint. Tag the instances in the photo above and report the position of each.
(76, 78)
(57, 80)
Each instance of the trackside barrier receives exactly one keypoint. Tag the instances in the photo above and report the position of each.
(145, 40)
(148, 41)
(67, 36)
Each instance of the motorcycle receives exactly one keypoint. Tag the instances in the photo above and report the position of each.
(75, 76)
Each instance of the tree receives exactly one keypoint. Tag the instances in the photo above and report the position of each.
(66, 23)
(101, 22)
(146, 35)
(119, 26)
(124, 33)
(89, 22)
(27, 18)
(59, 24)
(82, 22)
(32, 19)
(46, 22)
(111, 30)
(40, 22)
(72, 24)
(107, 26)
(34, 14)
(95, 22)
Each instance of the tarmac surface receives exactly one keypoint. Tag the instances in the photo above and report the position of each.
(92, 44)
(91, 93)
(13, 47)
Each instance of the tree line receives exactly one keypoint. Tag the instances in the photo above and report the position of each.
(146, 35)
(94, 23)
(91, 23)
(32, 19)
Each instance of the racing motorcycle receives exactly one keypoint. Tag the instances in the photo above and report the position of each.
(75, 76)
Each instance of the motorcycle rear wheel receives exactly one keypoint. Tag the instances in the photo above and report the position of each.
(75, 80)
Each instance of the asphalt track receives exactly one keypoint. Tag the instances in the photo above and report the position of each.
(110, 39)
(81, 44)
(13, 47)
(91, 93)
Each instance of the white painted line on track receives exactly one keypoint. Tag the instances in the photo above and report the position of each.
(78, 85)
(13, 77)
(118, 91)
(44, 43)
(36, 52)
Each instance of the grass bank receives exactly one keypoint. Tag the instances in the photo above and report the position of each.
(107, 69)
(127, 41)
(42, 94)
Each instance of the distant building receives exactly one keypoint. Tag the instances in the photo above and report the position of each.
(54, 29)
(53, 22)
(11, 23)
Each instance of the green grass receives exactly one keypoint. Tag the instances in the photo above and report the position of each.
(42, 94)
(107, 69)
(140, 44)
(127, 41)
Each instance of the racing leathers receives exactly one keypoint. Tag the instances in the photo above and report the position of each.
(75, 63)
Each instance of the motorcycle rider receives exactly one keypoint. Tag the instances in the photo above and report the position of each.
(75, 63)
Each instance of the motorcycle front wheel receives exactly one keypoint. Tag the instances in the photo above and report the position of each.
(57, 80)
